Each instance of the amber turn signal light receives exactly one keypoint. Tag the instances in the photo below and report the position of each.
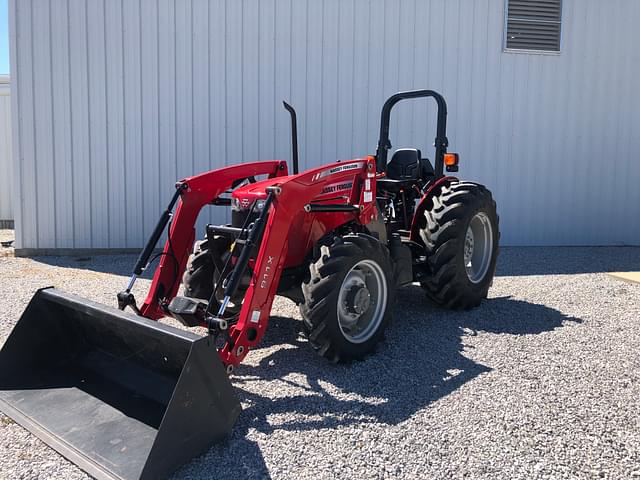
(451, 159)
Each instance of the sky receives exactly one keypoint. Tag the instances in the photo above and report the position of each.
(4, 37)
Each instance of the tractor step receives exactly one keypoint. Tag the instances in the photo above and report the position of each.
(121, 396)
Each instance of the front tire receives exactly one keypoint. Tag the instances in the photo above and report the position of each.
(348, 297)
(198, 276)
(461, 237)
(201, 273)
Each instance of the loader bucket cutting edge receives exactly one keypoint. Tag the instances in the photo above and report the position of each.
(121, 396)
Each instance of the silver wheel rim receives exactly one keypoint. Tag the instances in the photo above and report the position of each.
(478, 247)
(362, 301)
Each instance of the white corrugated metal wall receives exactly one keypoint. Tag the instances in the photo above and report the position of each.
(117, 99)
(6, 161)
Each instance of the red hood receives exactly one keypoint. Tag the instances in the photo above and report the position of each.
(256, 191)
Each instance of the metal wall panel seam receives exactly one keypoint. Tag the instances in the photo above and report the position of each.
(16, 152)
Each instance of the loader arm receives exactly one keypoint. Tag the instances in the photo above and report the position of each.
(196, 192)
(293, 195)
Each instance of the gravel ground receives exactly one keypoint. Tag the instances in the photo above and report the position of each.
(5, 236)
(541, 381)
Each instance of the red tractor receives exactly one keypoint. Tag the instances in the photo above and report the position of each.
(337, 239)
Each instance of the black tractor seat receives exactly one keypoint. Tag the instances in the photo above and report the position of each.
(405, 169)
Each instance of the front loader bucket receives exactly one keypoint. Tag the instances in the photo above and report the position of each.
(121, 396)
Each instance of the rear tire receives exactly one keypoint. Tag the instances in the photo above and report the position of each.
(461, 237)
(348, 297)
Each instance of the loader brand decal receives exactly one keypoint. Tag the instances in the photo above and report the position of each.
(264, 280)
(368, 194)
(338, 169)
(337, 187)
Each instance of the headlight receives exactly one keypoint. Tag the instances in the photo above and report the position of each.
(235, 204)
(243, 204)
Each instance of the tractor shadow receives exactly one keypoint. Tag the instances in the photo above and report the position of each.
(422, 360)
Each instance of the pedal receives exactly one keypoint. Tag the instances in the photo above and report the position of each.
(188, 311)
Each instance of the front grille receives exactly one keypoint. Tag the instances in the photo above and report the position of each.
(238, 217)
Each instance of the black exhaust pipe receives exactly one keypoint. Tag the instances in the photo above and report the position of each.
(294, 136)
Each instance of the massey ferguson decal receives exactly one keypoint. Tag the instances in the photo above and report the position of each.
(338, 169)
(337, 187)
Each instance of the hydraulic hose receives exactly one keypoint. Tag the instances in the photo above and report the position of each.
(255, 234)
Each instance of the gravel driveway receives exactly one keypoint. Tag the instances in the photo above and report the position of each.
(541, 381)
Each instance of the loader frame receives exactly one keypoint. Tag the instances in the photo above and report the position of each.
(292, 196)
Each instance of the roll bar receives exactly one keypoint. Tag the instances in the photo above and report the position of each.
(441, 142)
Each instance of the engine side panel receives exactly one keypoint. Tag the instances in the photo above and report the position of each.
(348, 182)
